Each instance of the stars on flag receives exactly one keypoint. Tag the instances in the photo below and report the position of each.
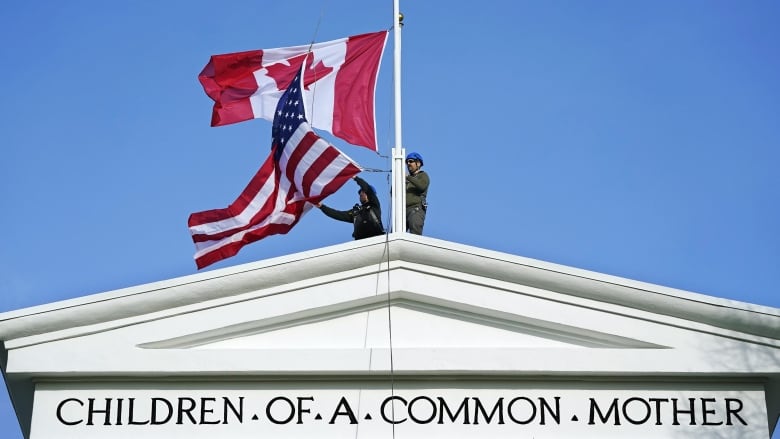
(290, 113)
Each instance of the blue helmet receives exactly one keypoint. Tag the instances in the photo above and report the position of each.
(415, 156)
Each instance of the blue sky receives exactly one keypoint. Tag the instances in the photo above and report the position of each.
(638, 139)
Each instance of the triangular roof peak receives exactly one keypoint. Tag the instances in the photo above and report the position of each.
(384, 254)
(455, 311)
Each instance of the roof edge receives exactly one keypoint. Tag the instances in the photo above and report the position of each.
(723, 313)
(232, 281)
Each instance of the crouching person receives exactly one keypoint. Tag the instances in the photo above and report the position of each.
(366, 216)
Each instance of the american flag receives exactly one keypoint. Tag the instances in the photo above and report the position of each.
(301, 170)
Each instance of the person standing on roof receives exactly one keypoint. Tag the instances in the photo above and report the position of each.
(417, 183)
(366, 216)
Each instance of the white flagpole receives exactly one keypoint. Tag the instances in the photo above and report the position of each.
(398, 171)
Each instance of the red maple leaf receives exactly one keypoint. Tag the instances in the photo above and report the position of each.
(283, 73)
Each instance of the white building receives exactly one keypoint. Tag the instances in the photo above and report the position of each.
(394, 337)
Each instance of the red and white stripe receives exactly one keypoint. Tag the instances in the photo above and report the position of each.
(276, 198)
(340, 85)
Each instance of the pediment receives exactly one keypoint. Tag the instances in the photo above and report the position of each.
(417, 305)
(409, 307)
(403, 321)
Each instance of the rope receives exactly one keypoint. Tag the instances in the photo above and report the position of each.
(390, 337)
(308, 53)
(389, 313)
(385, 258)
(317, 26)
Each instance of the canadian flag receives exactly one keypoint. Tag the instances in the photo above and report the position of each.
(340, 82)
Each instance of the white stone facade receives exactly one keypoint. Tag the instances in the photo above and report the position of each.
(400, 337)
